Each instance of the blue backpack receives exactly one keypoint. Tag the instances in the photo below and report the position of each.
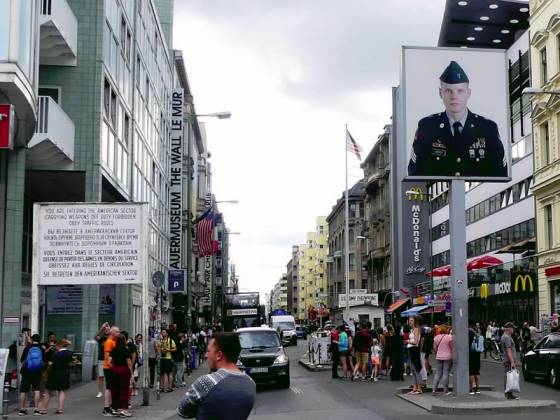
(343, 342)
(34, 360)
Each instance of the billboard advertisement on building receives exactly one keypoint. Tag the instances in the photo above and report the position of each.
(415, 233)
(456, 114)
(89, 243)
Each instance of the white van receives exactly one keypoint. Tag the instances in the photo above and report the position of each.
(285, 326)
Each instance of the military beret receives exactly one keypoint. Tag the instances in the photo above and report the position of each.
(454, 74)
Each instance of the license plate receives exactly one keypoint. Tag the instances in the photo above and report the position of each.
(259, 370)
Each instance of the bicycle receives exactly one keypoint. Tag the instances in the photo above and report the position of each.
(491, 346)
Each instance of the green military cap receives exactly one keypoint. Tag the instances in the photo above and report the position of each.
(454, 74)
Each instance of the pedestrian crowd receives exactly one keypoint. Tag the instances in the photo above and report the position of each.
(45, 368)
(395, 351)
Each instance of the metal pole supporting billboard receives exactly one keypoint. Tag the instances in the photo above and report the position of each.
(459, 287)
(346, 231)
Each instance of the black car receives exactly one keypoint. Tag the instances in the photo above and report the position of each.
(543, 360)
(262, 356)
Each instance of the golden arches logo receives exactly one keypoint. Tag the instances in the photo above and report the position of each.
(484, 290)
(524, 279)
(416, 194)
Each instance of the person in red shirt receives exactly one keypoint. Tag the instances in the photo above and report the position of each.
(334, 353)
(362, 344)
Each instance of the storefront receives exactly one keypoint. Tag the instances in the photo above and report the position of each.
(515, 300)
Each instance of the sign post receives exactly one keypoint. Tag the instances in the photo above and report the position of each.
(459, 287)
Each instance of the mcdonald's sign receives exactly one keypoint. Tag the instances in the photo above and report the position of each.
(484, 290)
(524, 278)
(417, 195)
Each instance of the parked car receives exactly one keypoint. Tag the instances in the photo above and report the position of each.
(543, 360)
(263, 357)
(301, 331)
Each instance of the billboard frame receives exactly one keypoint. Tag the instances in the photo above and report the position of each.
(403, 92)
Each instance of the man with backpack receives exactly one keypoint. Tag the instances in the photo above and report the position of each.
(32, 365)
(476, 347)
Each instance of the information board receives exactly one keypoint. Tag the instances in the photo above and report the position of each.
(87, 243)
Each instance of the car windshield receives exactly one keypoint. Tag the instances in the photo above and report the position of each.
(300, 328)
(283, 326)
(258, 339)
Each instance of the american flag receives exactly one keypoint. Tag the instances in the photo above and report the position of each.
(352, 146)
(205, 234)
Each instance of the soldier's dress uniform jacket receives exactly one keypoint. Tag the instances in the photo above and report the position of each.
(476, 151)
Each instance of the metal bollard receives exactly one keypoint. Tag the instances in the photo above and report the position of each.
(5, 403)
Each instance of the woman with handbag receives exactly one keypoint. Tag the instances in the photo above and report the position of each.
(58, 376)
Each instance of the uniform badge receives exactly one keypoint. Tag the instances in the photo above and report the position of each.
(441, 125)
(481, 152)
(439, 145)
(472, 153)
(481, 141)
(439, 152)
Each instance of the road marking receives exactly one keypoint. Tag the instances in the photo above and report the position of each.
(296, 390)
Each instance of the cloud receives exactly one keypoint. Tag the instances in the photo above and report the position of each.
(293, 73)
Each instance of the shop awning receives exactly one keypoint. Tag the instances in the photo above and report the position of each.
(434, 309)
(519, 247)
(396, 305)
(414, 310)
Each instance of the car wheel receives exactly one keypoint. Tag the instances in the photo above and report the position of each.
(553, 377)
(526, 375)
(284, 382)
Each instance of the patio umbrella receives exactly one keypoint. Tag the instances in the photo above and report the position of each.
(444, 271)
(483, 262)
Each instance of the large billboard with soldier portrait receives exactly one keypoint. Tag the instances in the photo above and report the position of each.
(456, 114)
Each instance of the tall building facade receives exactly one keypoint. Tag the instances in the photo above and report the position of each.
(377, 221)
(20, 29)
(280, 294)
(336, 256)
(545, 59)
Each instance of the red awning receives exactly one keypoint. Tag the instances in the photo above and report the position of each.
(395, 305)
(552, 271)
(444, 271)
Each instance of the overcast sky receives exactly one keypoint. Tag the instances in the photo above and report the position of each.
(293, 73)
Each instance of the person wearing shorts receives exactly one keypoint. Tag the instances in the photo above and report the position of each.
(101, 337)
(30, 380)
(167, 347)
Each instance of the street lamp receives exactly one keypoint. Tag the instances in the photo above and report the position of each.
(222, 115)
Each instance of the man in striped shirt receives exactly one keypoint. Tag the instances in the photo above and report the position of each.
(226, 392)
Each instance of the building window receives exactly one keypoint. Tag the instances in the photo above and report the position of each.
(549, 227)
(545, 144)
(544, 76)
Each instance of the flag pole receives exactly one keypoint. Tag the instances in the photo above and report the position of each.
(346, 230)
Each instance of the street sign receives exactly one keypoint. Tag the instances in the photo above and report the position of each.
(158, 279)
(176, 281)
(358, 299)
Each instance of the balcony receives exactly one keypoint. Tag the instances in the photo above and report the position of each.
(52, 145)
(59, 34)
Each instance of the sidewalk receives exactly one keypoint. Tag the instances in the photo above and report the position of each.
(81, 402)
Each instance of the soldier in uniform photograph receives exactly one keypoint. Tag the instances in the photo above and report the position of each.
(457, 142)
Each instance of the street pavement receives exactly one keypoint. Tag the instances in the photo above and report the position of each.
(311, 396)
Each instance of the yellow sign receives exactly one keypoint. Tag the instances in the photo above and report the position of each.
(417, 195)
(484, 290)
(524, 279)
